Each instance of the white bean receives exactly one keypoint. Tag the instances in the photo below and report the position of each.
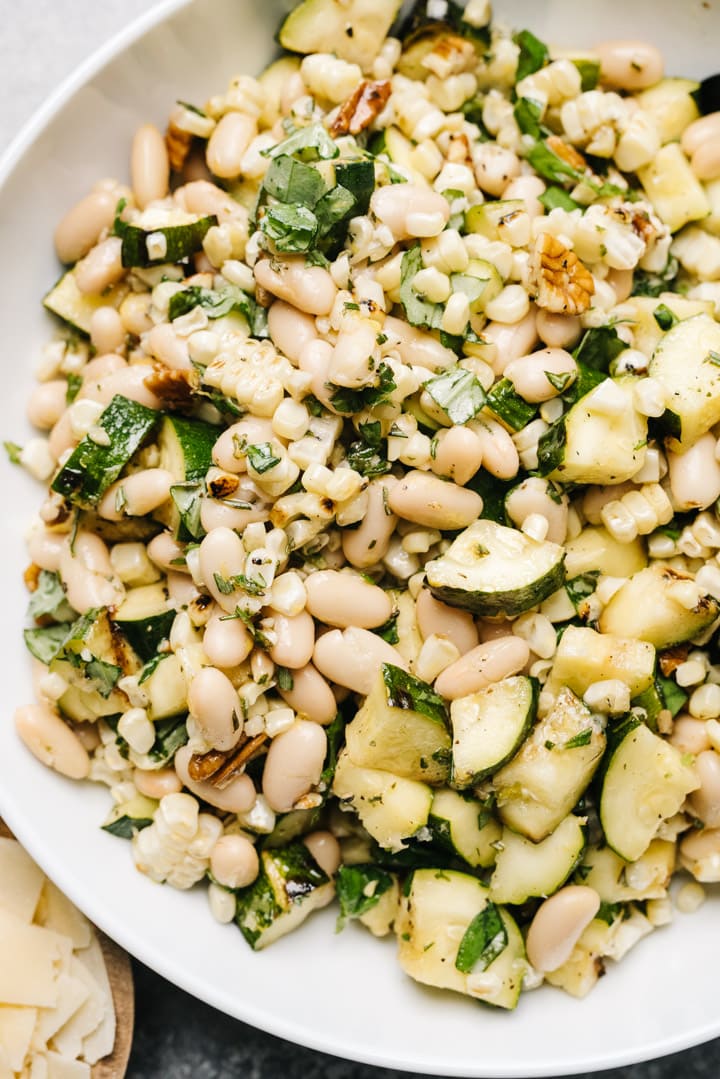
(222, 554)
(510, 340)
(158, 783)
(528, 374)
(533, 496)
(45, 548)
(290, 329)
(238, 796)
(500, 455)
(690, 735)
(81, 227)
(629, 65)
(700, 854)
(234, 861)
(315, 360)
(310, 288)
(101, 267)
(149, 165)
(408, 210)
(558, 925)
(203, 197)
(214, 513)
(417, 347)
(352, 657)
(695, 475)
(164, 344)
(136, 495)
(700, 132)
(294, 764)
(227, 145)
(325, 849)
(107, 333)
(128, 382)
(47, 403)
(368, 543)
(214, 702)
(227, 643)
(310, 696)
(49, 738)
(229, 450)
(438, 619)
(489, 662)
(458, 454)
(295, 640)
(705, 802)
(344, 599)
(557, 331)
(435, 503)
(621, 282)
(167, 553)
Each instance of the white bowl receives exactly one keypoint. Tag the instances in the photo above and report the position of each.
(341, 993)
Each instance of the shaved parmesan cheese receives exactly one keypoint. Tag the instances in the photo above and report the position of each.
(16, 1031)
(20, 881)
(72, 994)
(58, 913)
(59, 1067)
(39, 1067)
(69, 1039)
(32, 959)
(101, 1041)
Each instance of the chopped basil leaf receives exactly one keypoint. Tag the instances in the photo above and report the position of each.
(261, 457)
(650, 284)
(580, 587)
(335, 736)
(550, 447)
(674, 698)
(359, 888)
(347, 401)
(289, 181)
(13, 451)
(534, 54)
(44, 643)
(504, 400)
(405, 691)
(74, 382)
(310, 143)
(484, 940)
(581, 739)
(599, 347)
(366, 460)
(552, 167)
(192, 108)
(610, 912)
(220, 302)
(104, 675)
(187, 499)
(527, 114)
(284, 678)
(227, 585)
(49, 600)
(458, 392)
(558, 382)
(170, 736)
(712, 356)
(313, 405)
(419, 312)
(664, 317)
(557, 198)
(371, 433)
(334, 207)
(589, 74)
(291, 228)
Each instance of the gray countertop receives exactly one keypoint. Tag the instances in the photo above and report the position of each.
(177, 1036)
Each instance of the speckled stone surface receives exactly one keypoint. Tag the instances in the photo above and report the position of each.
(176, 1036)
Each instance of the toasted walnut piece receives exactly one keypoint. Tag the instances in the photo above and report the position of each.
(361, 108)
(671, 658)
(178, 143)
(204, 765)
(566, 152)
(31, 577)
(174, 388)
(558, 279)
(220, 768)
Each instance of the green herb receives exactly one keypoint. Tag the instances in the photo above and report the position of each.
(599, 347)
(310, 143)
(418, 312)
(405, 691)
(484, 940)
(388, 630)
(104, 675)
(252, 586)
(554, 197)
(170, 736)
(13, 451)
(589, 74)
(610, 912)
(49, 600)
(291, 228)
(534, 54)
(552, 167)
(712, 356)
(220, 302)
(348, 401)
(650, 284)
(74, 382)
(527, 114)
(558, 382)
(285, 678)
(187, 499)
(665, 317)
(313, 405)
(550, 447)
(674, 698)
(335, 737)
(151, 666)
(45, 643)
(192, 108)
(579, 588)
(458, 392)
(358, 889)
(582, 739)
(366, 460)
(504, 400)
(291, 182)
(261, 457)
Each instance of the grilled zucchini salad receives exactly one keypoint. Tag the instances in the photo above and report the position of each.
(380, 553)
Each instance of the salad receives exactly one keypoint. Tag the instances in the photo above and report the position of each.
(378, 559)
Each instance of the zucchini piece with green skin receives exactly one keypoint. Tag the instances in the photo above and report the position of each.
(440, 912)
(91, 468)
(509, 407)
(618, 881)
(292, 825)
(144, 619)
(127, 818)
(687, 365)
(77, 308)
(671, 105)
(595, 549)
(480, 282)
(584, 656)
(290, 886)
(645, 782)
(552, 768)
(354, 31)
(464, 827)
(490, 569)
(489, 727)
(488, 218)
(589, 446)
(403, 727)
(359, 889)
(273, 80)
(93, 657)
(186, 452)
(646, 609)
(524, 869)
(390, 808)
(143, 247)
(166, 689)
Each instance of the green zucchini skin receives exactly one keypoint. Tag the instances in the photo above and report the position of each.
(291, 884)
(92, 468)
(181, 241)
(145, 634)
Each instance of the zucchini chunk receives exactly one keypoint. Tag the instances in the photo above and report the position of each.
(391, 809)
(77, 308)
(353, 30)
(671, 105)
(585, 966)
(618, 881)
(670, 184)
(589, 446)
(273, 80)
(91, 468)
(584, 656)
(144, 619)
(93, 657)
(684, 364)
(490, 569)
(464, 827)
(645, 782)
(489, 726)
(596, 550)
(166, 688)
(186, 452)
(544, 780)
(291, 885)
(165, 244)
(647, 332)
(127, 818)
(645, 608)
(403, 726)
(524, 869)
(446, 920)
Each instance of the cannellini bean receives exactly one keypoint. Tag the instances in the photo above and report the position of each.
(438, 619)
(227, 643)
(532, 496)
(149, 166)
(47, 404)
(435, 503)
(228, 451)
(62, 437)
(690, 735)
(234, 861)
(167, 553)
(325, 849)
(227, 145)
(695, 475)
(368, 544)
(290, 329)
(458, 454)
(86, 587)
(621, 282)
(164, 344)
(203, 197)
(214, 702)
(557, 331)
(158, 783)
(408, 210)
(45, 548)
(352, 657)
(488, 663)
(510, 340)
(136, 495)
(295, 640)
(629, 65)
(315, 360)
(309, 288)
(705, 162)
(237, 797)
(558, 925)
(528, 374)
(293, 764)
(701, 132)
(81, 227)
(49, 738)
(97, 370)
(101, 267)
(419, 348)
(310, 696)
(495, 167)
(222, 553)
(705, 802)
(107, 332)
(344, 599)
(500, 455)
(135, 313)
(700, 854)
(128, 382)
(214, 513)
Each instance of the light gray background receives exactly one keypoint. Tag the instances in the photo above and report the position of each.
(176, 1037)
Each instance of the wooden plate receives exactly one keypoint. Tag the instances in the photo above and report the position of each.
(119, 972)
